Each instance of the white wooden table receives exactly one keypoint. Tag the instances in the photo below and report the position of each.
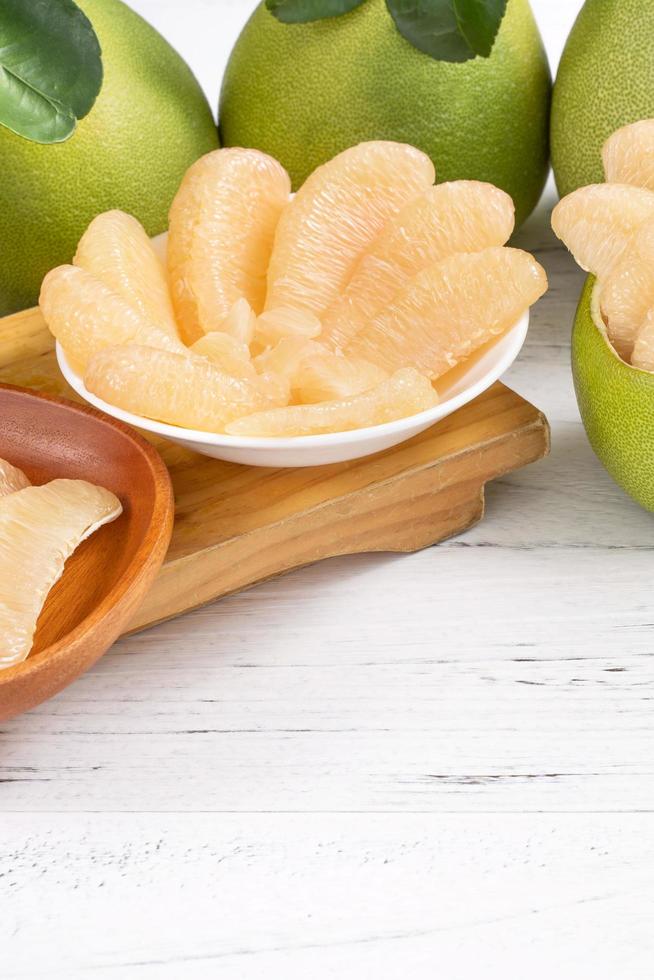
(439, 765)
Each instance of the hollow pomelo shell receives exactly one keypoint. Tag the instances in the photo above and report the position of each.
(616, 402)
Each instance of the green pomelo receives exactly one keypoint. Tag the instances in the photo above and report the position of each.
(304, 92)
(150, 122)
(605, 80)
(616, 402)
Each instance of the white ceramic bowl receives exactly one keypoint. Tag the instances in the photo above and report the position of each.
(479, 374)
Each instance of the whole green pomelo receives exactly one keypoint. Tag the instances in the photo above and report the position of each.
(150, 122)
(605, 80)
(304, 92)
(616, 402)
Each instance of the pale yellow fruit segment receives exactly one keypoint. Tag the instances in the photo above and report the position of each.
(628, 155)
(406, 393)
(450, 310)
(460, 216)
(180, 389)
(273, 325)
(40, 527)
(316, 373)
(221, 229)
(86, 316)
(627, 291)
(286, 356)
(324, 375)
(227, 353)
(597, 222)
(11, 478)
(116, 249)
(240, 322)
(335, 216)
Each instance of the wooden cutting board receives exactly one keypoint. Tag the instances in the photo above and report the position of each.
(237, 525)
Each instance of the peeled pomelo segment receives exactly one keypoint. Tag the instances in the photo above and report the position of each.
(643, 349)
(11, 478)
(40, 527)
(286, 355)
(627, 291)
(86, 316)
(116, 250)
(335, 216)
(179, 389)
(273, 325)
(597, 222)
(628, 155)
(240, 322)
(450, 309)
(323, 375)
(221, 230)
(406, 393)
(275, 388)
(460, 216)
(226, 353)
(316, 373)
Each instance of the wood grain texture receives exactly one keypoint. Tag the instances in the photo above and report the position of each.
(237, 525)
(104, 581)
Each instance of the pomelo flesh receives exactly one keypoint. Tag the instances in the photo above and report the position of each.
(628, 155)
(450, 310)
(221, 228)
(325, 375)
(180, 389)
(11, 478)
(240, 323)
(627, 291)
(285, 357)
(461, 216)
(227, 353)
(597, 222)
(116, 250)
(335, 216)
(316, 373)
(406, 393)
(285, 321)
(86, 316)
(40, 527)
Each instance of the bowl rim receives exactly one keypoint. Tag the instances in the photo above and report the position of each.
(323, 440)
(152, 548)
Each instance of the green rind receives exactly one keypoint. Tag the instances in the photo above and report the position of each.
(616, 402)
(605, 80)
(149, 123)
(304, 92)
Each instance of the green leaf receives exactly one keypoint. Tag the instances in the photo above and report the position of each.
(50, 68)
(302, 11)
(449, 30)
(479, 22)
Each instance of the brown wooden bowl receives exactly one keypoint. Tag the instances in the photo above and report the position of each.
(105, 580)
